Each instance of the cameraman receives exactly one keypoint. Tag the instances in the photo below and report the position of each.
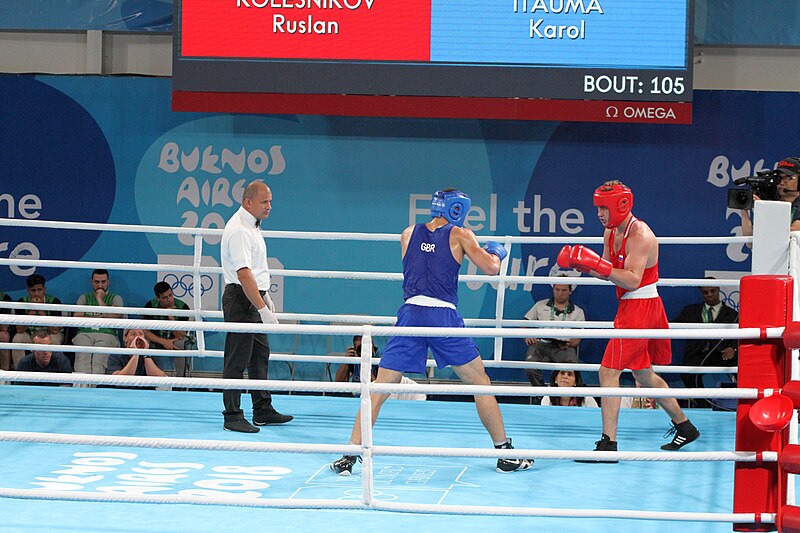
(788, 170)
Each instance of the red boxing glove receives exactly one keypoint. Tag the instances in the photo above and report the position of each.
(563, 257)
(586, 260)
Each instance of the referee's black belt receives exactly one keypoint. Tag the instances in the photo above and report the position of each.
(262, 293)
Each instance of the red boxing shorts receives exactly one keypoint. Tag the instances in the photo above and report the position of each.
(637, 354)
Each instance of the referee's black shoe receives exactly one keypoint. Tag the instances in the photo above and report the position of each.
(270, 417)
(241, 425)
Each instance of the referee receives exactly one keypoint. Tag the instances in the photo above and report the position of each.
(246, 299)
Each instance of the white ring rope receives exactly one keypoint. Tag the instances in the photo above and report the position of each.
(393, 451)
(90, 265)
(157, 311)
(342, 359)
(321, 235)
(111, 497)
(691, 332)
(574, 513)
(386, 506)
(218, 445)
(348, 275)
(388, 331)
(387, 388)
(353, 319)
(353, 275)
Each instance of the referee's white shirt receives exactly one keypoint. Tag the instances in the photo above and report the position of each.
(243, 246)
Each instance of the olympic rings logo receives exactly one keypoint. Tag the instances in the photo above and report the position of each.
(185, 284)
(730, 298)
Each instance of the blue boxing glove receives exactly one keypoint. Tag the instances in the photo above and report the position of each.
(496, 248)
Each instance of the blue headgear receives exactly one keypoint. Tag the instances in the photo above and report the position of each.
(452, 205)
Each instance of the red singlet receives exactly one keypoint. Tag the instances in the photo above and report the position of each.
(637, 313)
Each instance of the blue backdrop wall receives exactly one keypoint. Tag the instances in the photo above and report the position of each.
(106, 149)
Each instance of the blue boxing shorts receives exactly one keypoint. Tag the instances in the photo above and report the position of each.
(409, 354)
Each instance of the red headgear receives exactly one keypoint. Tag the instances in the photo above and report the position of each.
(618, 199)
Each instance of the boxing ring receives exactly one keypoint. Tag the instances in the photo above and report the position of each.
(99, 459)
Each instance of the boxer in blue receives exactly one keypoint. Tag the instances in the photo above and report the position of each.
(432, 255)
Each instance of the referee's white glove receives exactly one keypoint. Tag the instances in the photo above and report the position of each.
(267, 316)
(268, 301)
(268, 311)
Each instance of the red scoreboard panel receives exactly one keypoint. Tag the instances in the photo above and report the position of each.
(386, 31)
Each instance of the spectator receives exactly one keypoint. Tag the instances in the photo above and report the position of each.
(135, 365)
(95, 363)
(37, 293)
(563, 350)
(5, 336)
(169, 339)
(637, 402)
(44, 360)
(568, 378)
(708, 352)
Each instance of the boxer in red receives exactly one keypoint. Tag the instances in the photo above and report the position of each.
(630, 261)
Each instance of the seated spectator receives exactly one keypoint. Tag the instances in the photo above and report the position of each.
(169, 339)
(630, 402)
(100, 296)
(637, 402)
(708, 352)
(568, 378)
(37, 293)
(5, 336)
(135, 365)
(542, 350)
(352, 372)
(44, 360)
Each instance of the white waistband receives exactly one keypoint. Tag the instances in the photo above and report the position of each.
(427, 301)
(648, 291)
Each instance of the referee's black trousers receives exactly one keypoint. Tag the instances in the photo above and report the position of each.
(244, 351)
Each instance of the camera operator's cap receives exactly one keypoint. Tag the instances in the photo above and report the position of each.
(789, 166)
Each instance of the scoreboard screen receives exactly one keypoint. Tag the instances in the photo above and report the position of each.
(412, 57)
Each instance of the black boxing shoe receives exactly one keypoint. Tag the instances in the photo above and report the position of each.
(506, 466)
(605, 444)
(344, 466)
(685, 432)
